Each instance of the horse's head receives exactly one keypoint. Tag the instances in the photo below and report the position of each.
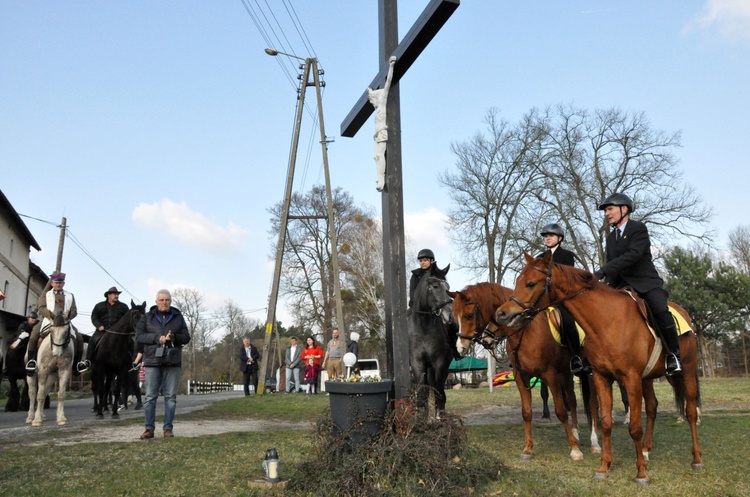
(531, 292)
(59, 333)
(431, 295)
(474, 311)
(136, 312)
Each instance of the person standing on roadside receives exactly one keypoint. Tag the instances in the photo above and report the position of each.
(249, 357)
(293, 363)
(162, 331)
(334, 353)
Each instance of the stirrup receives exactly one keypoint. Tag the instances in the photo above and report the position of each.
(576, 365)
(31, 367)
(676, 370)
(83, 366)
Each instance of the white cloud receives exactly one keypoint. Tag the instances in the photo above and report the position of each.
(731, 18)
(185, 225)
(426, 229)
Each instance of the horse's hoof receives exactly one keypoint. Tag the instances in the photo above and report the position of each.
(139, 405)
(100, 416)
(642, 481)
(36, 423)
(601, 476)
(526, 457)
(576, 455)
(544, 420)
(698, 467)
(115, 416)
(29, 420)
(62, 422)
(596, 450)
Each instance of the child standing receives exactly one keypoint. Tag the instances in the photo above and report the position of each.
(311, 375)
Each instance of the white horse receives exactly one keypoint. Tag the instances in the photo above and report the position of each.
(54, 362)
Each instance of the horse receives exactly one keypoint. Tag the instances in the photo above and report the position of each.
(113, 359)
(533, 351)
(18, 398)
(620, 346)
(54, 362)
(431, 352)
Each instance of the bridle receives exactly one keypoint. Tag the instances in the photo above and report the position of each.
(135, 316)
(438, 306)
(65, 342)
(530, 311)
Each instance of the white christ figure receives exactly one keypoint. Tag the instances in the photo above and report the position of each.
(379, 100)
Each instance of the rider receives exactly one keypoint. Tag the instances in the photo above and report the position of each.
(105, 315)
(553, 235)
(48, 305)
(24, 331)
(629, 263)
(426, 259)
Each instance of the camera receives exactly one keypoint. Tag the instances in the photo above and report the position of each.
(161, 352)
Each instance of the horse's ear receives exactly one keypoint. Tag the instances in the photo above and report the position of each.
(447, 268)
(528, 257)
(132, 304)
(452, 294)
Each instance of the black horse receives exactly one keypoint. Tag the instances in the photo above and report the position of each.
(113, 359)
(18, 398)
(428, 325)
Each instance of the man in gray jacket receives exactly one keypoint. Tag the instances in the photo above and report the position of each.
(293, 363)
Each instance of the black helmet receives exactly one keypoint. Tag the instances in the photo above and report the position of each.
(425, 253)
(33, 314)
(618, 199)
(553, 229)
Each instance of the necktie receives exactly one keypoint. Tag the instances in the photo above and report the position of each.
(618, 235)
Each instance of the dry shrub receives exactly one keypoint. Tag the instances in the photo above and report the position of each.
(411, 455)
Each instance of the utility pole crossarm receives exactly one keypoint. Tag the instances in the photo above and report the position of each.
(434, 16)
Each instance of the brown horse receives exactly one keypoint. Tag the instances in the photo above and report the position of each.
(533, 351)
(619, 346)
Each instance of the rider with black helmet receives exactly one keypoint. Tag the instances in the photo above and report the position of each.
(426, 259)
(553, 235)
(629, 263)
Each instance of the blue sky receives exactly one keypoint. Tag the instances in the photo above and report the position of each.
(161, 130)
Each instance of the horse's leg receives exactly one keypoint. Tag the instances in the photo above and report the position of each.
(652, 403)
(137, 390)
(544, 393)
(625, 403)
(42, 388)
(569, 393)
(604, 393)
(32, 382)
(63, 378)
(526, 413)
(593, 401)
(116, 397)
(633, 384)
(14, 395)
(553, 380)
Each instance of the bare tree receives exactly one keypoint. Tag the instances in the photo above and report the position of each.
(233, 319)
(739, 252)
(190, 302)
(307, 276)
(491, 189)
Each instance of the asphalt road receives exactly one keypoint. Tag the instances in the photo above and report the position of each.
(79, 413)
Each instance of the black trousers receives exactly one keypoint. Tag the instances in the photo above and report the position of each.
(657, 301)
(250, 378)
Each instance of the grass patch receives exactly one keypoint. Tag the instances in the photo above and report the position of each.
(221, 465)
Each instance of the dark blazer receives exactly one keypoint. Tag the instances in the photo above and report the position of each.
(254, 355)
(561, 256)
(629, 261)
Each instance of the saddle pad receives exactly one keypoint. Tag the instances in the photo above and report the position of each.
(553, 320)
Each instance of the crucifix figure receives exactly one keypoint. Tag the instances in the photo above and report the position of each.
(379, 100)
(434, 16)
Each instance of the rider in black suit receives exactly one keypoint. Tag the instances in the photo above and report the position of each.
(553, 235)
(629, 263)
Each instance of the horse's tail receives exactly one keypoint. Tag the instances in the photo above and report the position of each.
(678, 384)
(586, 396)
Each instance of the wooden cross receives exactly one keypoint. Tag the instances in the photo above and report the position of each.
(419, 36)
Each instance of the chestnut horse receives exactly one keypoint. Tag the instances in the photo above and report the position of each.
(533, 351)
(619, 346)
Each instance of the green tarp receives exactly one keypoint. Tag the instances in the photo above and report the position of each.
(468, 364)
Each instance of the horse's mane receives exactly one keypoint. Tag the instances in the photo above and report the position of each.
(486, 294)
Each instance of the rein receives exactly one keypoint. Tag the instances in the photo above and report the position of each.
(530, 311)
(65, 342)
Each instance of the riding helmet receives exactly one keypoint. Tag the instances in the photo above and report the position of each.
(618, 199)
(426, 253)
(33, 314)
(553, 229)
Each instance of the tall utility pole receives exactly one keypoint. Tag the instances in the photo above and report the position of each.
(310, 65)
(61, 243)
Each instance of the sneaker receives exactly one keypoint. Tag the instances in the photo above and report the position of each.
(83, 366)
(147, 434)
(30, 368)
(168, 433)
(576, 364)
(674, 367)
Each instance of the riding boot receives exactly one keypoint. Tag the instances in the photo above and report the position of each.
(673, 365)
(79, 365)
(31, 364)
(570, 331)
